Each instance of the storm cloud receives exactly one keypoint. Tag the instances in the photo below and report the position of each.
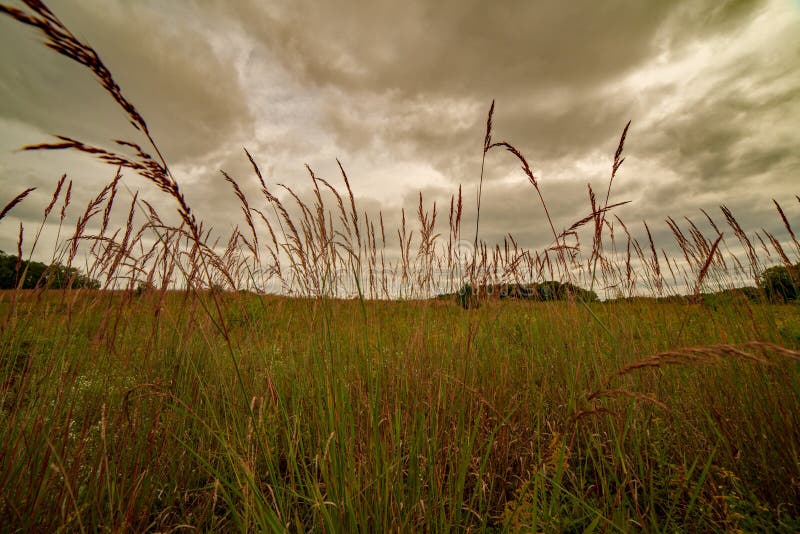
(399, 92)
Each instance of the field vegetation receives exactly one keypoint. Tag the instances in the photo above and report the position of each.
(302, 375)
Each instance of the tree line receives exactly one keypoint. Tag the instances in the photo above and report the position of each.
(34, 274)
(778, 284)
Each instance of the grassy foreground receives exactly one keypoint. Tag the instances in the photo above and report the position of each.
(153, 412)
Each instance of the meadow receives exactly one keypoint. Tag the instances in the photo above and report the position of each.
(300, 374)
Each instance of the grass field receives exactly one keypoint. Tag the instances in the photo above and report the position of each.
(123, 411)
(181, 393)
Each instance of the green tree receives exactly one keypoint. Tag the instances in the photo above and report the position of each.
(781, 283)
(37, 274)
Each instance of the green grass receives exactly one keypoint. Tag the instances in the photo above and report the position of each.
(124, 412)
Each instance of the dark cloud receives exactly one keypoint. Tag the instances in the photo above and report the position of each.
(459, 47)
(399, 92)
(416, 78)
(692, 20)
(169, 69)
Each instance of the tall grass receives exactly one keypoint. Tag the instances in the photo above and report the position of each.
(180, 395)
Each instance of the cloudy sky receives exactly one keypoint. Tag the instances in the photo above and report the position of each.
(399, 92)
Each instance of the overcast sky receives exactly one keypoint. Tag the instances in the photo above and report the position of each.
(399, 91)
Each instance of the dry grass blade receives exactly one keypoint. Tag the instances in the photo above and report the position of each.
(706, 265)
(67, 199)
(60, 39)
(787, 225)
(604, 393)
(743, 239)
(16, 200)
(688, 356)
(771, 347)
(353, 211)
(617, 155)
(658, 279)
(110, 203)
(600, 218)
(578, 224)
(19, 251)
(709, 354)
(487, 144)
(245, 209)
(526, 168)
(711, 221)
(778, 248)
(55, 196)
(487, 140)
(582, 414)
(257, 170)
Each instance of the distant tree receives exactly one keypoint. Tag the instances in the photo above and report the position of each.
(781, 283)
(749, 292)
(37, 274)
(550, 290)
(467, 297)
(143, 288)
(553, 290)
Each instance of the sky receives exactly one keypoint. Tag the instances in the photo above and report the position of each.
(399, 93)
